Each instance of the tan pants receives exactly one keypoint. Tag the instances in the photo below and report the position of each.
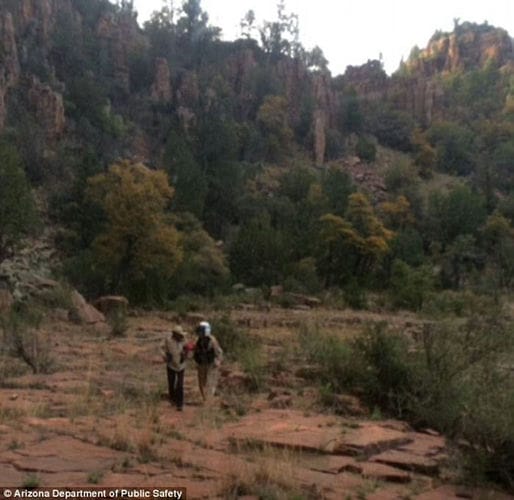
(207, 379)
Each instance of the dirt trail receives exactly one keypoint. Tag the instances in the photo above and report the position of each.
(100, 419)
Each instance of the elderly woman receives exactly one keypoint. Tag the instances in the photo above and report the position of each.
(175, 351)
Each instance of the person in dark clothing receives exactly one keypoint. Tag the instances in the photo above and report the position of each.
(208, 356)
(175, 354)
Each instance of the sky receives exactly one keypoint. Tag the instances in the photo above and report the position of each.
(352, 31)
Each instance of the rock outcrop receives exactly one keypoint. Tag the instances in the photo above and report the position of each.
(417, 89)
(84, 313)
(9, 62)
(468, 47)
(120, 36)
(161, 88)
(28, 273)
(48, 106)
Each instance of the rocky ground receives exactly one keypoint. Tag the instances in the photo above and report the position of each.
(100, 418)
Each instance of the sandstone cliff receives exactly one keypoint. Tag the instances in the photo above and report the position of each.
(417, 87)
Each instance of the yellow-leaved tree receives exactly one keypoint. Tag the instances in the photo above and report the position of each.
(138, 249)
(350, 246)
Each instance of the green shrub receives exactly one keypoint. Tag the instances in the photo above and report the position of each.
(457, 303)
(239, 346)
(118, 321)
(389, 377)
(23, 339)
(234, 340)
(355, 295)
(366, 150)
(31, 481)
(332, 355)
(253, 363)
(455, 377)
(409, 286)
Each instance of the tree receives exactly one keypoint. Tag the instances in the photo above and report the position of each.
(366, 149)
(351, 246)
(409, 287)
(337, 186)
(454, 146)
(498, 239)
(186, 174)
(316, 60)
(274, 123)
(350, 115)
(391, 127)
(138, 248)
(425, 154)
(281, 37)
(203, 268)
(17, 209)
(397, 213)
(259, 253)
(193, 25)
(458, 212)
(247, 24)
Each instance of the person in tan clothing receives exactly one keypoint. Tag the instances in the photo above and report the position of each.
(175, 351)
(208, 356)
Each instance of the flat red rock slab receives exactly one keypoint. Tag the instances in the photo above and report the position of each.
(408, 461)
(379, 472)
(385, 473)
(286, 429)
(329, 464)
(370, 439)
(449, 492)
(425, 444)
(9, 476)
(63, 454)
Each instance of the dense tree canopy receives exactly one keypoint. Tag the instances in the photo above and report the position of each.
(17, 209)
(138, 246)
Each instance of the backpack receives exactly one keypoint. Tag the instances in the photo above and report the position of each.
(204, 352)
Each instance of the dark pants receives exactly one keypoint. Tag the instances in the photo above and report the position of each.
(176, 387)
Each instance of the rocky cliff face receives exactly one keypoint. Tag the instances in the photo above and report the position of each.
(28, 65)
(119, 35)
(161, 88)
(9, 62)
(468, 47)
(417, 88)
(48, 107)
(27, 26)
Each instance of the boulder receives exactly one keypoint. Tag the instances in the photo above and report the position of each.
(305, 300)
(111, 303)
(82, 312)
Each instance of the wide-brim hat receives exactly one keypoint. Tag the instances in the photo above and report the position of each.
(178, 330)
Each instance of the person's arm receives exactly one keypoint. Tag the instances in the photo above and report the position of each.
(164, 350)
(218, 351)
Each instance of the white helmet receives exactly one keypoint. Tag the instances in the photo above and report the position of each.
(203, 328)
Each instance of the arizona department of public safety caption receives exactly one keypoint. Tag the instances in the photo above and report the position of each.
(94, 492)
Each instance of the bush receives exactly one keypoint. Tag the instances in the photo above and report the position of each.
(410, 287)
(239, 346)
(22, 339)
(457, 303)
(355, 295)
(455, 377)
(233, 340)
(118, 321)
(389, 378)
(366, 150)
(335, 368)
